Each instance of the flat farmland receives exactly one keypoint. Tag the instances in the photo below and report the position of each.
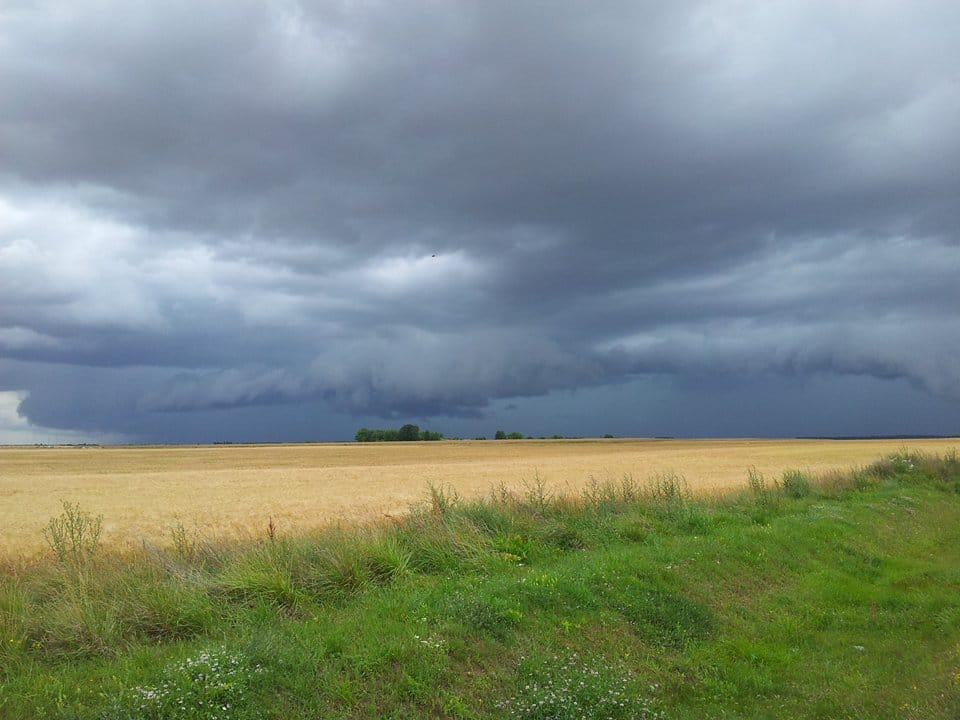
(234, 490)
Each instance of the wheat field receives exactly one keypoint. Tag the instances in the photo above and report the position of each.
(235, 490)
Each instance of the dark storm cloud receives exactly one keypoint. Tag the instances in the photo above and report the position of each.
(407, 371)
(416, 209)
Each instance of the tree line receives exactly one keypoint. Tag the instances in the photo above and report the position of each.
(407, 432)
(413, 432)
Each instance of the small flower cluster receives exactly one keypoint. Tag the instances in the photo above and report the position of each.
(902, 462)
(570, 688)
(209, 686)
(431, 642)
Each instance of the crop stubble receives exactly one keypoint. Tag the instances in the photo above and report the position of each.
(233, 490)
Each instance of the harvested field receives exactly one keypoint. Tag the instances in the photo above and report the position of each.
(142, 492)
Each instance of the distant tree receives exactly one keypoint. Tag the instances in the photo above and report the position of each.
(430, 435)
(500, 435)
(608, 436)
(515, 436)
(409, 432)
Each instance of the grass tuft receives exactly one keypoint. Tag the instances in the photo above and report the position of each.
(795, 484)
(673, 502)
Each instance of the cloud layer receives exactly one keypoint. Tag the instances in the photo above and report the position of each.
(420, 210)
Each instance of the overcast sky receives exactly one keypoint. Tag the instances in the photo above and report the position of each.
(279, 220)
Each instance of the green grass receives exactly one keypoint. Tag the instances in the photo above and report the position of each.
(834, 597)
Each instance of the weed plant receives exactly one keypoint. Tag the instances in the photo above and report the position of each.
(765, 500)
(795, 484)
(74, 535)
(672, 500)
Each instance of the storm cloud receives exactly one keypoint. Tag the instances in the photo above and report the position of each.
(269, 220)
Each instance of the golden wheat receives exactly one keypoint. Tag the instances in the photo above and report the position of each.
(144, 492)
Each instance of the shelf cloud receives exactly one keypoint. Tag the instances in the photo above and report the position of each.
(292, 217)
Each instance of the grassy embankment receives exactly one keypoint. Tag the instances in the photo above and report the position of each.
(835, 599)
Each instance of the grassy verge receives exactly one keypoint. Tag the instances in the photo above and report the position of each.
(835, 597)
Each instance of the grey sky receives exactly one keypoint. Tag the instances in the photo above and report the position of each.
(281, 220)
